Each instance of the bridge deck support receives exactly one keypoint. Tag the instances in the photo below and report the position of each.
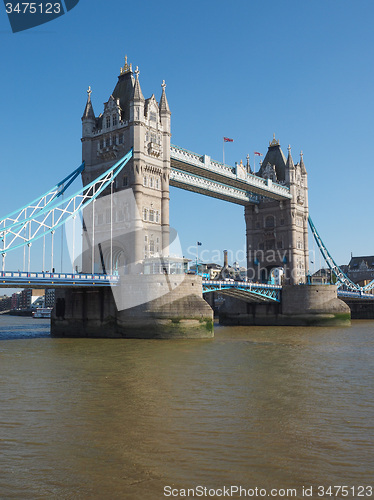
(94, 312)
(302, 305)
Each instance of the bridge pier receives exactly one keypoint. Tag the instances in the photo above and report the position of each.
(180, 312)
(302, 305)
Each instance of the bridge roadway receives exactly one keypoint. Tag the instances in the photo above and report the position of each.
(203, 175)
(250, 292)
(243, 290)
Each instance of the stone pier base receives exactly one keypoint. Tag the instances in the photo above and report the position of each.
(302, 305)
(170, 307)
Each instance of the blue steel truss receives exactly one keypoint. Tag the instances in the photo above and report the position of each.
(341, 277)
(255, 292)
(50, 211)
(40, 203)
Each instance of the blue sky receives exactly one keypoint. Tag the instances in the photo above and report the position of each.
(242, 69)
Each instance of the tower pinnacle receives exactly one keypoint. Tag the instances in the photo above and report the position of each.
(289, 164)
(302, 165)
(88, 110)
(164, 105)
(137, 94)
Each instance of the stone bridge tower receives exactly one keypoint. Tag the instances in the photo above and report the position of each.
(277, 231)
(131, 121)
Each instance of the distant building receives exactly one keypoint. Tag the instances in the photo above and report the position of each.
(50, 297)
(361, 269)
(27, 299)
(15, 300)
(322, 276)
(5, 303)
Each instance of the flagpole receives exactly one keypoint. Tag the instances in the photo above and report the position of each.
(254, 163)
(223, 151)
(197, 257)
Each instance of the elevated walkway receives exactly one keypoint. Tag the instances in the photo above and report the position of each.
(201, 174)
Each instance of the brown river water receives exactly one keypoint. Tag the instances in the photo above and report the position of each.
(272, 408)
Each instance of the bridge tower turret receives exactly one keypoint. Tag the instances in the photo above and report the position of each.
(88, 126)
(131, 121)
(277, 231)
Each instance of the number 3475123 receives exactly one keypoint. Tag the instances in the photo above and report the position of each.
(33, 8)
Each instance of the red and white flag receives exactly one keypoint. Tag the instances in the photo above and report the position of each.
(258, 154)
(226, 139)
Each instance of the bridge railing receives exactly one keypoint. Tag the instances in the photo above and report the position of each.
(241, 284)
(359, 294)
(56, 279)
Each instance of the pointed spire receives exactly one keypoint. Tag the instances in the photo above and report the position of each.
(302, 165)
(137, 93)
(88, 110)
(164, 105)
(289, 163)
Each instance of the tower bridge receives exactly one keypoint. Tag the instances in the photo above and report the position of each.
(128, 167)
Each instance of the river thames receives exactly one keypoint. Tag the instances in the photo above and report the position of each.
(266, 407)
